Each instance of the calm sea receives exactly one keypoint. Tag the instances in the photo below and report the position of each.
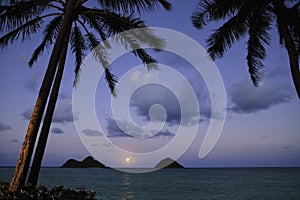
(237, 183)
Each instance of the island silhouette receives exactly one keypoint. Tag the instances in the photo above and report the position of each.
(90, 162)
(168, 163)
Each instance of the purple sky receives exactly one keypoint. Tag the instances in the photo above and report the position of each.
(261, 127)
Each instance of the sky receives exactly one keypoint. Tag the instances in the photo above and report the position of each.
(261, 126)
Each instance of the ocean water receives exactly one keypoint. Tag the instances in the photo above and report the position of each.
(214, 184)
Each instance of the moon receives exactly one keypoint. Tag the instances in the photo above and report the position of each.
(129, 159)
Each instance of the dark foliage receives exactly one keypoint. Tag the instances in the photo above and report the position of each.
(42, 193)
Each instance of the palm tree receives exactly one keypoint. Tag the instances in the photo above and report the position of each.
(41, 145)
(67, 18)
(254, 18)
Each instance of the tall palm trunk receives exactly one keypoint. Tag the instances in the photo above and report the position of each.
(289, 44)
(23, 163)
(40, 148)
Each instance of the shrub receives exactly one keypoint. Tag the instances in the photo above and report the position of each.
(42, 193)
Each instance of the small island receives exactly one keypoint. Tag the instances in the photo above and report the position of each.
(88, 162)
(168, 163)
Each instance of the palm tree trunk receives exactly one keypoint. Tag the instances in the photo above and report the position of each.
(289, 44)
(40, 148)
(23, 163)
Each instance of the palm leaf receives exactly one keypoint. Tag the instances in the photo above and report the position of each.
(224, 37)
(114, 23)
(258, 38)
(129, 6)
(214, 10)
(100, 54)
(15, 14)
(94, 23)
(78, 47)
(24, 30)
(50, 33)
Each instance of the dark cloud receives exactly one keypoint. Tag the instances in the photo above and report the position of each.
(27, 114)
(4, 127)
(91, 132)
(14, 141)
(152, 94)
(62, 114)
(57, 131)
(113, 130)
(287, 147)
(274, 89)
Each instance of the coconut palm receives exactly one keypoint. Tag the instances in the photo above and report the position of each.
(254, 18)
(69, 21)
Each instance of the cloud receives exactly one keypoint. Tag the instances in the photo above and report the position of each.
(152, 94)
(91, 132)
(142, 101)
(27, 114)
(287, 147)
(114, 130)
(32, 84)
(63, 111)
(164, 133)
(4, 127)
(57, 131)
(14, 141)
(130, 131)
(62, 114)
(275, 89)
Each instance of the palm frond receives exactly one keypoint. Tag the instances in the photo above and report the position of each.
(18, 13)
(111, 80)
(50, 34)
(100, 54)
(148, 60)
(147, 36)
(259, 26)
(224, 37)
(129, 6)
(24, 30)
(214, 10)
(93, 21)
(114, 23)
(78, 47)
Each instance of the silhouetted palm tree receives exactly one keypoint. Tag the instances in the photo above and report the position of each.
(255, 18)
(68, 19)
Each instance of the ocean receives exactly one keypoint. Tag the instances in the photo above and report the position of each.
(207, 184)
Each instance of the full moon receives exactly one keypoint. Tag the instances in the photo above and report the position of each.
(129, 159)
